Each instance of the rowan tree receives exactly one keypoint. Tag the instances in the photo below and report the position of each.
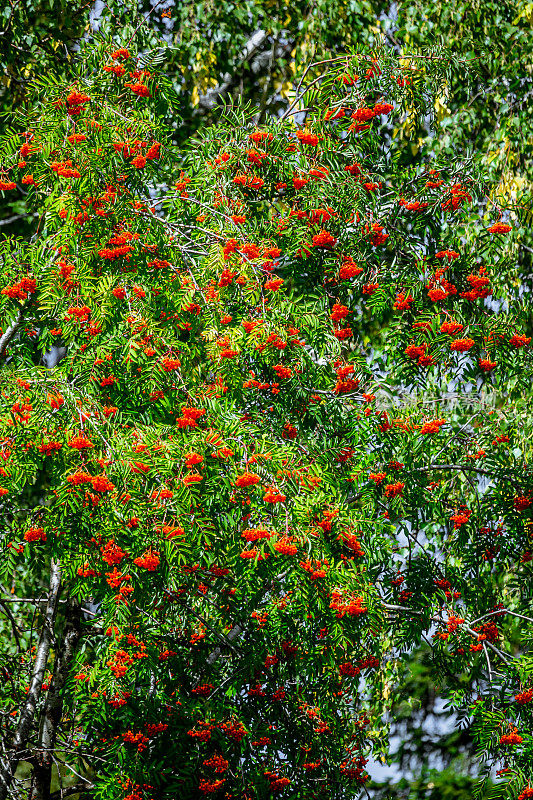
(250, 512)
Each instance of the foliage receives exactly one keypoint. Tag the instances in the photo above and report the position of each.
(258, 50)
(250, 514)
(488, 110)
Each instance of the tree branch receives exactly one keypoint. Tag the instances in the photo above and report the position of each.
(463, 468)
(13, 622)
(78, 788)
(253, 45)
(11, 331)
(53, 708)
(15, 217)
(233, 634)
(7, 771)
(506, 657)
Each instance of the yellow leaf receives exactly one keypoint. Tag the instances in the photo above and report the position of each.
(526, 12)
(441, 108)
(286, 90)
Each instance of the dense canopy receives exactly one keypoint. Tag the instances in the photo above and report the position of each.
(264, 429)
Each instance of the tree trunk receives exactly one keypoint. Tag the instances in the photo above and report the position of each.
(53, 708)
(27, 714)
